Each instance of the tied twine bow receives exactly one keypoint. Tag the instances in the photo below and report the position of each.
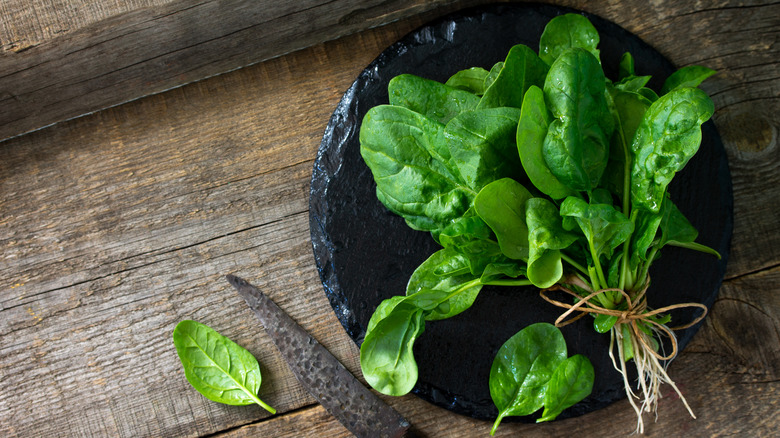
(635, 312)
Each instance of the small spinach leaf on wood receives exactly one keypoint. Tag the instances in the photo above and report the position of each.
(577, 143)
(430, 98)
(217, 367)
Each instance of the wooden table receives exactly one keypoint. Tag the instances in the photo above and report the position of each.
(117, 225)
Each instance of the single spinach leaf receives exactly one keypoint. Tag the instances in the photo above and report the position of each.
(531, 131)
(628, 109)
(645, 229)
(430, 98)
(472, 79)
(565, 32)
(546, 237)
(687, 77)
(501, 204)
(668, 136)
(676, 230)
(425, 277)
(626, 67)
(410, 165)
(522, 367)
(577, 143)
(603, 226)
(497, 271)
(482, 145)
(217, 367)
(522, 68)
(386, 355)
(493, 74)
(571, 382)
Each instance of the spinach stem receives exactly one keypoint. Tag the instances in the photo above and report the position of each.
(464, 286)
(571, 261)
(623, 277)
(515, 282)
(597, 264)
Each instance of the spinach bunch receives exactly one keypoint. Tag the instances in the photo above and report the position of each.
(540, 171)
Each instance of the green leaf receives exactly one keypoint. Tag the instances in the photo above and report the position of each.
(577, 143)
(571, 382)
(482, 145)
(546, 237)
(687, 77)
(626, 67)
(472, 80)
(603, 226)
(676, 230)
(425, 277)
(386, 355)
(501, 204)
(410, 164)
(521, 69)
(531, 131)
(433, 99)
(565, 32)
(217, 367)
(668, 136)
(629, 109)
(522, 367)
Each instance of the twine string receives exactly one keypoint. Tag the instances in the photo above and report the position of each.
(636, 311)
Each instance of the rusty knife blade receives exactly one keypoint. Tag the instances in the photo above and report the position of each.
(327, 380)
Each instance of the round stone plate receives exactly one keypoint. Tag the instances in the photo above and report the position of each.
(366, 254)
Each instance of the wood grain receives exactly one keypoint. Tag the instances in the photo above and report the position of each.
(116, 226)
(142, 51)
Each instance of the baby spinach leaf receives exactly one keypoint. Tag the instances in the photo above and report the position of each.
(687, 77)
(482, 145)
(546, 237)
(493, 74)
(501, 204)
(410, 165)
(425, 277)
(628, 108)
(565, 32)
(668, 136)
(472, 79)
(386, 355)
(531, 131)
(676, 230)
(571, 382)
(645, 229)
(603, 226)
(577, 143)
(522, 68)
(217, 367)
(497, 271)
(626, 67)
(433, 99)
(522, 367)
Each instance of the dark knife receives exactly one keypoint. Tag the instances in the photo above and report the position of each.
(327, 380)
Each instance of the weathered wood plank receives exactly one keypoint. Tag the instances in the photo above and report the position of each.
(150, 50)
(116, 226)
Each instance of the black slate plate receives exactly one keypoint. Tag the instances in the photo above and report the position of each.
(366, 254)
